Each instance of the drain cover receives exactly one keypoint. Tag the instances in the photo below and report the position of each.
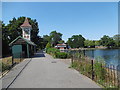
(53, 62)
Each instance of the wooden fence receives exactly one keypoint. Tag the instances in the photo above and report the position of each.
(106, 75)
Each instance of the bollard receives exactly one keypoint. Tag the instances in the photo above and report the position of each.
(92, 70)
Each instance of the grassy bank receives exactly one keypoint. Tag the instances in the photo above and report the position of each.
(96, 70)
(6, 63)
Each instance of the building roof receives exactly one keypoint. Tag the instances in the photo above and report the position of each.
(26, 23)
(19, 38)
(61, 44)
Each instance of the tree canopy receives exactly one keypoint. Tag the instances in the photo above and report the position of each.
(76, 41)
(55, 37)
(107, 41)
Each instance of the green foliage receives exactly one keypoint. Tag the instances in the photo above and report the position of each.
(48, 45)
(56, 53)
(76, 41)
(83, 64)
(4, 66)
(46, 40)
(89, 43)
(97, 43)
(107, 41)
(61, 55)
(117, 40)
(61, 41)
(99, 70)
(52, 51)
(55, 37)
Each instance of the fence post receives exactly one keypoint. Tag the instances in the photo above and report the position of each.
(12, 59)
(92, 70)
(72, 60)
(20, 57)
(118, 75)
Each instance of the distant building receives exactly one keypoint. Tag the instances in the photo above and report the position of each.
(62, 47)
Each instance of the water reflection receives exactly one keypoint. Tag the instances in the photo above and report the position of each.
(110, 56)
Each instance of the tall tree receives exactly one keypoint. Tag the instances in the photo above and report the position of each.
(107, 41)
(117, 40)
(55, 37)
(5, 41)
(76, 41)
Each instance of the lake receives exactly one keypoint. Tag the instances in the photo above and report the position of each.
(110, 56)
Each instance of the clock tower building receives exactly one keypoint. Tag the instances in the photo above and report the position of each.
(26, 29)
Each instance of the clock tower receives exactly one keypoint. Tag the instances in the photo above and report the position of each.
(26, 29)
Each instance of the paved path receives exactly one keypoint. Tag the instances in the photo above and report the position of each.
(45, 72)
(13, 74)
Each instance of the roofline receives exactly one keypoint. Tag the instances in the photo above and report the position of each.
(23, 39)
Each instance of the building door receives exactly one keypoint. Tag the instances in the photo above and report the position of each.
(17, 50)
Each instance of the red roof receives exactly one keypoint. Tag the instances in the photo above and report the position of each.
(61, 44)
(26, 23)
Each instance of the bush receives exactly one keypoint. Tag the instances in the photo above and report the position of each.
(4, 66)
(62, 55)
(52, 51)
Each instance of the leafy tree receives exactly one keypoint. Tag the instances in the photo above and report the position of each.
(97, 42)
(107, 41)
(76, 41)
(5, 41)
(61, 41)
(89, 43)
(55, 37)
(46, 39)
(48, 45)
(117, 40)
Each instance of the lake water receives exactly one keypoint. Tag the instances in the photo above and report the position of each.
(110, 56)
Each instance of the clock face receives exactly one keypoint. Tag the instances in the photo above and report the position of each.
(26, 30)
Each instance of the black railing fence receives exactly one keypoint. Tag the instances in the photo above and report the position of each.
(106, 75)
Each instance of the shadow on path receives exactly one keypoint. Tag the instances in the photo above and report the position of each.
(39, 54)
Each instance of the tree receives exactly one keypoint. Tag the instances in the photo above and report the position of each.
(117, 40)
(55, 37)
(5, 41)
(107, 41)
(97, 43)
(46, 39)
(89, 43)
(76, 41)
(48, 45)
(61, 41)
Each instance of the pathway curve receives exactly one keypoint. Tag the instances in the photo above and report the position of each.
(45, 72)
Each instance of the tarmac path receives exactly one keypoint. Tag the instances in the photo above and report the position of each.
(43, 71)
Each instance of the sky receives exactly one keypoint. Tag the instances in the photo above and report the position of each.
(90, 19)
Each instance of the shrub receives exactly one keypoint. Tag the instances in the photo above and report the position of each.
(48, 45)
(62, 55)
(52, 51)
(4, 66)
